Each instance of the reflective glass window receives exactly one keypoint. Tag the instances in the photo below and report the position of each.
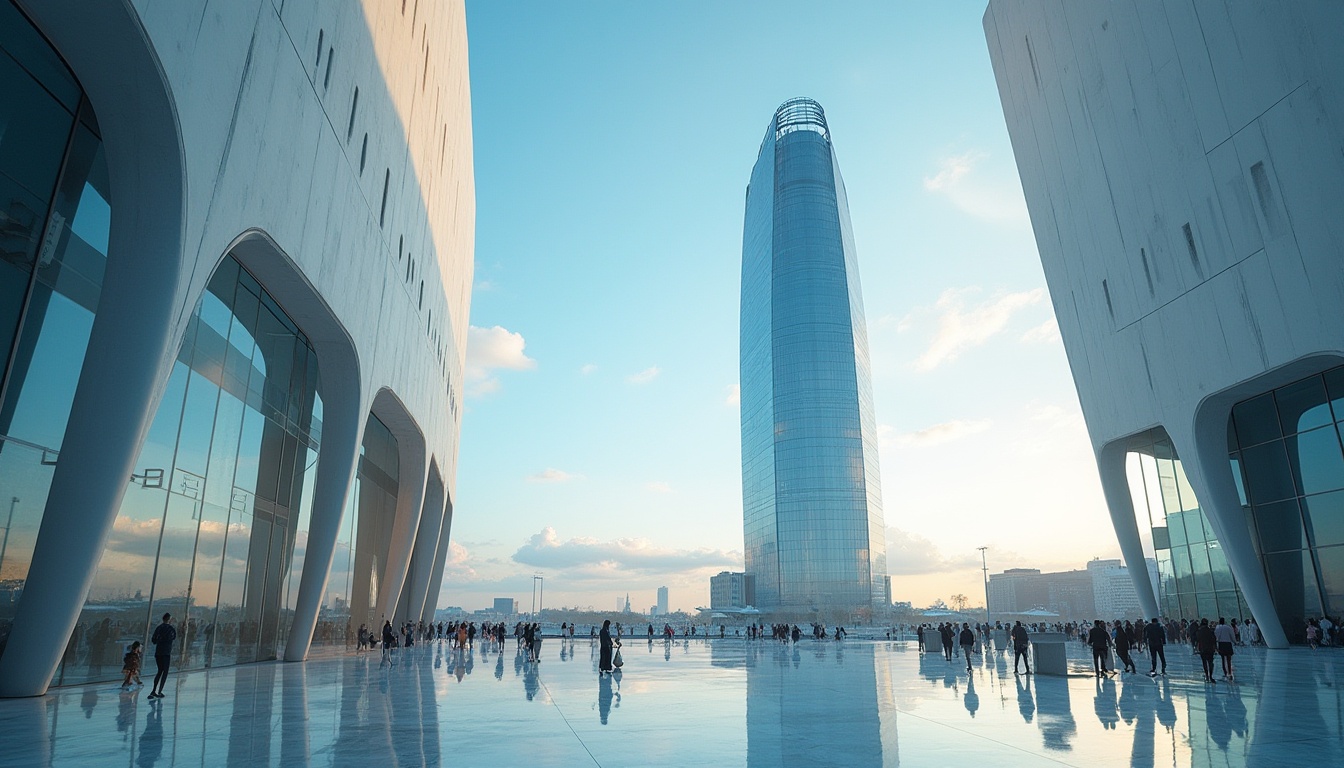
(1256, 420)
(1303, 405)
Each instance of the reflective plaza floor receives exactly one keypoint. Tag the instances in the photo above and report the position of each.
(683, 703)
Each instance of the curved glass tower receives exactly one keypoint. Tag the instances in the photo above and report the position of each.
(812, 499)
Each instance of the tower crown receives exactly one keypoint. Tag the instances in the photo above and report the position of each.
(801, 114)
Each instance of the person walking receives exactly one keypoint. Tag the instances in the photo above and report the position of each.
(1226, 637)
(1122, 647)
(1155, 637)
(1206, 644)
(1020, 641)
(967, 640)
(389, 640)
(945, 634)
(1100, 640)
(163, 638)
(604, 652)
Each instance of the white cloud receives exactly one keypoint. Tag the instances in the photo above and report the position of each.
(553, 475)
(961, 328)
(490, 350)
(588, 369)
(937, 434)
(734, 395)
(658, 486)
(644, 376)
(616, 556)
(1045, 333)
(909, 554)
(961, 181)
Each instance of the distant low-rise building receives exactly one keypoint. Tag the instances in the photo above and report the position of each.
(506, 606)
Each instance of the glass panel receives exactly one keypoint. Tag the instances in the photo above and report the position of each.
(1238, 478)
(1280, 527)
(1292, 579)
(1331, 560)
(1325, 518)
(1222, 572)
(1256, 420)
(20, 39)
(1334, 387)
(1317, 463)
(1267, 473)
(1199, 561)
(1302, 405)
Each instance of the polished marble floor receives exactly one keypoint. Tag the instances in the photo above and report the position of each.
(686, 703)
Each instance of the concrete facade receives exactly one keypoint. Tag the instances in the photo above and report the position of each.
(327, 148)
(1182, 167)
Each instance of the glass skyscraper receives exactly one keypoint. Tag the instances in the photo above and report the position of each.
(812, 499)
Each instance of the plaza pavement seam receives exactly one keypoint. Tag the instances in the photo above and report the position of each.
(555, 703)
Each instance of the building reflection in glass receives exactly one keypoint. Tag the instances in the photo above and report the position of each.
(793, 722)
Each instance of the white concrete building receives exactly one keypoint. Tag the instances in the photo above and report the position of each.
(1183, 169)
(235, 262)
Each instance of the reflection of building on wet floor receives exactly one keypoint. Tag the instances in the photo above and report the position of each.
(688, 702)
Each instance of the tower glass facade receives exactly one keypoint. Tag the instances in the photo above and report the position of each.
(812, 500)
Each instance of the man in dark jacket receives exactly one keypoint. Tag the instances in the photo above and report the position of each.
(967, 642)
(1155, 637)
(945, 634)
(163, 638)
(1100, 640)
(1020, 647)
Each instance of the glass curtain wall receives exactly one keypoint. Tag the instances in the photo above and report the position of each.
(1194, 578)
(1285, 451)
(363, 544)
(54, 216)
(214, 524)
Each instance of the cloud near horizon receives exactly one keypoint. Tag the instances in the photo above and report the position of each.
(493, 349)
(909, 554)
(638, 555)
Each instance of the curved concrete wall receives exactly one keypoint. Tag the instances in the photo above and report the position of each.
(328, 145)
(1182, 167)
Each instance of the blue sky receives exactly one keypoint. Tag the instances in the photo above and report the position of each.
(613, 143)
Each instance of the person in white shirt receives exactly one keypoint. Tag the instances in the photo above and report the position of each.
(1326, 626)
(1224, 635)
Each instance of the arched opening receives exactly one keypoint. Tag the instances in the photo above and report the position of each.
(118, 210)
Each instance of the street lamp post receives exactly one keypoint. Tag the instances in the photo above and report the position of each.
(538, 590)
(984, 566)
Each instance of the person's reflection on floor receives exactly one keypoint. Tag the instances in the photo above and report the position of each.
(1103, 702)
(1166, 708)
(604, 695)
(471, 659)
(151, 739)
(1026, 705)
(971, 700)
(518, 659)
(1236, 711)
(88, 701)
(667, 650)
(531, 684)
(1215, 715)
(1054, 713)
(126, 714)
(499, 667)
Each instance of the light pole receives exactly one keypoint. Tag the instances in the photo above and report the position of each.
(538, 581)
(984, 566)
(13, 500)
